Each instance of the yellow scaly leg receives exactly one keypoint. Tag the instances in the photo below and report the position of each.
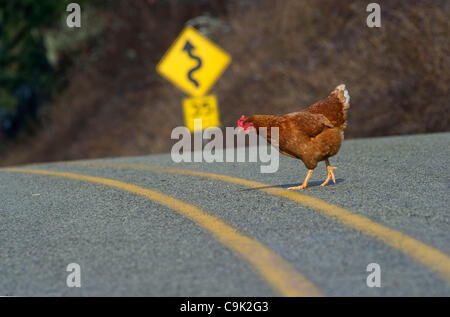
(330, 172)
(305, 182)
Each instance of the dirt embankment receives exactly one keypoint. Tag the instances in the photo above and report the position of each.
(286, 55)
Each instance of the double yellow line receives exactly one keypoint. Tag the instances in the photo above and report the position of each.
(276, 271)
(431, 257)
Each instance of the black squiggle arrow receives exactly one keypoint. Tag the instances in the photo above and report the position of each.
(188, 47)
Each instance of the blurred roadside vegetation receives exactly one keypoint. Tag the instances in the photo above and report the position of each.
(26, 77)
(33, 41)
(93, 92)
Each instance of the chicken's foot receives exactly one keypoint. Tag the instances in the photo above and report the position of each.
(305, 182)
(330, 172)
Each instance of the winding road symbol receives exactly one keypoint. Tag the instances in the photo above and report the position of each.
(193, 62)
(188, 47)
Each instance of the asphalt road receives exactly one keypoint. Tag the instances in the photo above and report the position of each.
(390, 206)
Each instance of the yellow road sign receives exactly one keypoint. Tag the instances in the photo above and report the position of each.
(204, 108)
(193, 62)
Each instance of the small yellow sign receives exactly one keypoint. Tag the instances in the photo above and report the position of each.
(193, 62)
(204, 108)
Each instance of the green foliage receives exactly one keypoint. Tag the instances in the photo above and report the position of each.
(61, 40)
(23, 58)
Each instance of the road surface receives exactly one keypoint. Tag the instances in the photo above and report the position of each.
(147, 226)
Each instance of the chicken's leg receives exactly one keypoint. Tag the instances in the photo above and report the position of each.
(305, 182)
(330, 172)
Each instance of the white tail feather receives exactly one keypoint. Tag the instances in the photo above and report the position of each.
(343, 97)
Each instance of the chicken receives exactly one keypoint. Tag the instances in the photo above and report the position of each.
(312, 135)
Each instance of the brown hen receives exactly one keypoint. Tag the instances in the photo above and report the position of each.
(311, 135)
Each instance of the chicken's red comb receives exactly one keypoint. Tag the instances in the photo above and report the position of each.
(241, 121)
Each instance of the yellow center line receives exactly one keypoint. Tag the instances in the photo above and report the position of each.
(275, 270)
(431, 257)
